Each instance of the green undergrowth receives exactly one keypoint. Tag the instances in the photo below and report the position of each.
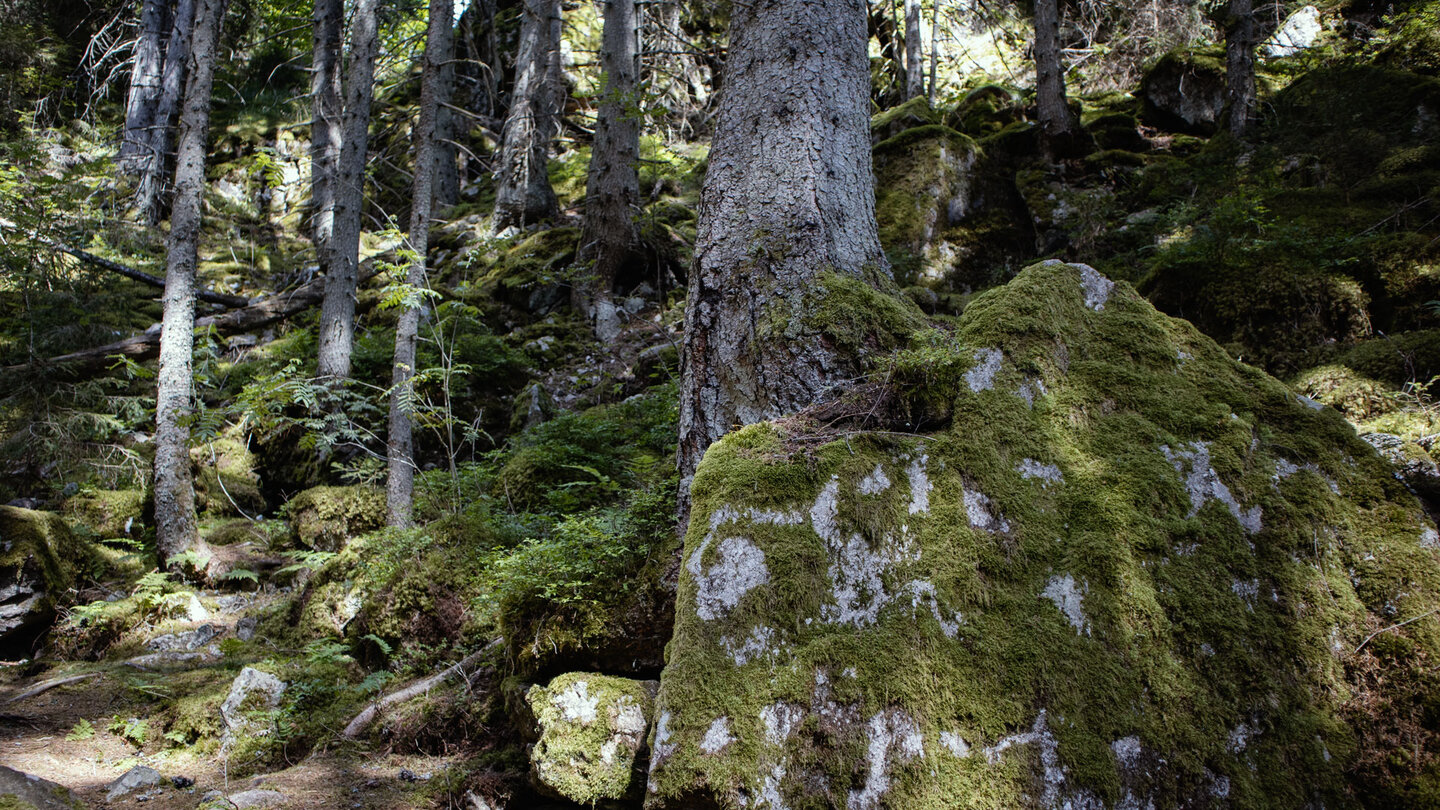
(1047, 592)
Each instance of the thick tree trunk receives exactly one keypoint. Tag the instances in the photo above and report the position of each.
(524, 195)
(612, 188)
(337, 311)
(325, 121)
(400, 478)
(447, 174)
(153, 194)
(1057, 126)
(914, 70)
(145, 80)
(789, 195)
(478, 65)
(175, 529)
(1240, 65)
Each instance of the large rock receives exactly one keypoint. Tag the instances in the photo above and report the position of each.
(592, 733)
(924, 185)
(253, 691)
(1184, 92)
(1297, 33)
(138, 777)
(325, 518)
(1120, 569)
(39, 561)
(23, 791)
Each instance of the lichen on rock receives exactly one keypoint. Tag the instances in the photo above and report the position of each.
(1070, 600)
(593, 730)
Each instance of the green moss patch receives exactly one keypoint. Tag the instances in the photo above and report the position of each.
(592, 727)
(1126, 570)
(325, 518)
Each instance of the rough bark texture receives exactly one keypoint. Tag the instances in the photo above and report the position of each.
(789, 194)
(152, 194)
(914, 70)
(523, 194)
(447, 174)
(1240, 65)
(400, 478)
(325, 121)
(175, 529)
(145, 78)
(477, 62)
(1056, 124)
(337, 311)
(612, 188)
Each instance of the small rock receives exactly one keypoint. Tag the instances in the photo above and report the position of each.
(407, 775)
(139, 776)
(194, 611)
(251, 689)
(171, 660)
(182, 782)
(245, 628)
(189, 640)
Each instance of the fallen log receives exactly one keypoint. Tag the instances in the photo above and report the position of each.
(46, 686)
(371, 713)
(264, 312)
(141, 276)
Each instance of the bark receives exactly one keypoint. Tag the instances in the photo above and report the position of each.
(612, 187)
(1240, 65)
(914, 70)
(400, 463)
(327, 109)
(447, 174)
(145, 81)
(337, 312)
(175, 529)
(153, 193)
(478, 64)
(1057, 126)
(523, 194)
(789, 194)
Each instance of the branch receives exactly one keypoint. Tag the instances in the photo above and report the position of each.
(364, 719)
(46, 686)
(223, 300)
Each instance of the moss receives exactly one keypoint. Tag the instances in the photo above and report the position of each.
(226, 483)
(913, 113)
(42, 544)
(108, 513)
(1055, 577)
(9, 801)
(923, 186)
(591, 726)
(325, 518)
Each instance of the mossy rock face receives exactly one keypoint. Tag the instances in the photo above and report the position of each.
(40, 560)
(914, 113)
(108, 513)
(592, 735)
(1128, 571)
(23, 791)
(325, 518)
(226, 483)
(923, 186)
(1184, 92)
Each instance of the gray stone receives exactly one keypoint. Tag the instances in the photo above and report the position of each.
(1297, 33)
(245, 628)
(32, 790)
(1179, 94)
(188, 640)
(173, 660)
(251, 689)
(257, 798)
(574, 761)
(1412, 464)
(137, 777)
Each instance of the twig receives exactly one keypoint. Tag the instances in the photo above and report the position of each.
(363, 720)
(1393, 627)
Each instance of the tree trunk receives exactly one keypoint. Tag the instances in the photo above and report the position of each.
(447, 175)
(175, 529)
(1240, 65)
(524, 195)
(789, 195)
(478, 64)
(934, 51)
(153, 195)
(1057, 126)
(325, 121)
(612, 188)
(914, 70)
(400, 478)
(145, 80)
(337, 311)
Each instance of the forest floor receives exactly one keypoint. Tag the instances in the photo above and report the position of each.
(74, 735)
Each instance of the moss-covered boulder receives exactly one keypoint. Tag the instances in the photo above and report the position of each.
(592, 735)
(325, 518)
(1184, 92)
(1124, 571)
(923, 186)
(23, 791)
(226, 482)
(914, 113)
(108, 513)
(40, 560)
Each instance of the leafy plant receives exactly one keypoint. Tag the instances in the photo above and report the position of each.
(132, 730)
(83, 730)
